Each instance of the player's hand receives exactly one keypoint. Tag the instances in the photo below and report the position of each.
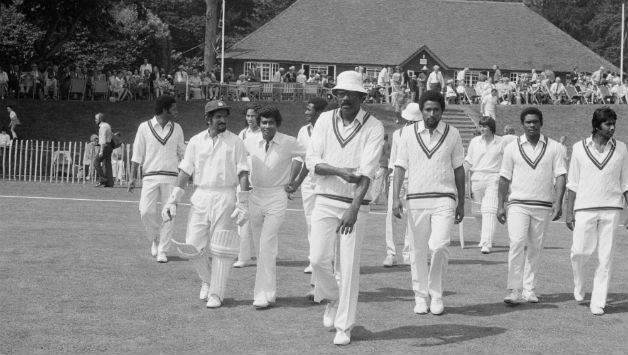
(501, 214)
(557, 211)
(459, 212)
(241, 211)
(131, 185)
(347, 221)
(169, 212)
(290, 188)
(397, 208)
(570, 221)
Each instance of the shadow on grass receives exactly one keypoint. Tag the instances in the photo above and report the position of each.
(293, 263)
(474, 262)
(369, 270)
(388, 294)
(615, 303)
(492, 309)
(281, 302)
(428, 335)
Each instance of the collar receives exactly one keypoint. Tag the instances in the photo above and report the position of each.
(440, 128)
(523, 139)
(360, 116)
(589, 141)
(155, 123)
(207, 136)
(276, 139)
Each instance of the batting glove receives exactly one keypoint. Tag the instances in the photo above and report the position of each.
(241, 212)
(170, 208)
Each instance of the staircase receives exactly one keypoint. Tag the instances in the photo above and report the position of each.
(462, 121)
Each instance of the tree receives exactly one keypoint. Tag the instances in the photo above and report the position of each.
(211, 24)
(18, 38)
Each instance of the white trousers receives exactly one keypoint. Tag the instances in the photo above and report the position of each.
(526, 229)
(308, 197)
(430, 229)
(325, 221)
(594, 228)
(267, 209)
(396, 227)
(485, 197)
(211, 211)
(156, 229)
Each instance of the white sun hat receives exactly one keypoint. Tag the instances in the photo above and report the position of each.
(412, 112)
(349, 80)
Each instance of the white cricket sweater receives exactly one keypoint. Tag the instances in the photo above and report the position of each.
(598, 179)
(430, 163)
(158, 150)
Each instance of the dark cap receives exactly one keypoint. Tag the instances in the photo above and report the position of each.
(216, 105)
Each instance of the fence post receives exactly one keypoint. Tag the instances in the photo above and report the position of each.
(52, 160)
(30, 163)
(41, 159)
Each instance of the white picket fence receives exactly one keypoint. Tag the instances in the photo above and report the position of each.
(58, 162)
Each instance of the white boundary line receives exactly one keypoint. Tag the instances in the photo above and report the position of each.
(131, 201)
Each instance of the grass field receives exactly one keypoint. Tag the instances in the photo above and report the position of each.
(76, 277)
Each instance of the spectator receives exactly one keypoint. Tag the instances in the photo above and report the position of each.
(5, 139)
(436, 81)
(146, 66)
(117, 163)
(102, 161)
(413, 86)
(14, 121)
(461, 75)
(278, 76)
(422, 81)
(504, 90)
(597, 76)
(291, 75)
(534, 75)
(489, 103)
(91, 152)
(396, 89)
(460, 89)
(195, 82)
(558, 91)
(180, 76)
(383, 81)
(450, 92)
(301, 78)
(229, 76)
(497, 74)
(51, 84)
(4, 84)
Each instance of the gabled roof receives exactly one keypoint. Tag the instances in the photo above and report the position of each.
(475, 34)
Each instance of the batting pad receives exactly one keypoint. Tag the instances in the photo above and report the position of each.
(187, 250)
(225, 244)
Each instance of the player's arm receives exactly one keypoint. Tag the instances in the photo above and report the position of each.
(459, 177)
(502, 195)
(297, 175)
(344, 173)
(398, 176)
(350, 216)
(557, 208)
(570, 220)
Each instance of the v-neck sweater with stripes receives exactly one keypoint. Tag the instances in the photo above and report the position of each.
(531, 171)
(430, 163)
(357, 147)
(158, 150)
(598, 179)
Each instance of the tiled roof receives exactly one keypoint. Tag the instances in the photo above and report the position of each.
(475, 34)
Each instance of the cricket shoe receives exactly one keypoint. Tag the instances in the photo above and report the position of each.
(421, 305)
(213, 302)
(389, 261)
(308, 269)
(342, 337)
(161, 257)
(578, 295)
(597, 311)
(153, 249)
(437, 307)
(310, 295)
(242, 263)
(330, 314)
(485, 250)
(530, 296)
(514, 298)
(204, 292)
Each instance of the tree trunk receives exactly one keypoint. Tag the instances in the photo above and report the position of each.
(211, 25)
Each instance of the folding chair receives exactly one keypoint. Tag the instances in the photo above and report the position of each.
(572, 95)
(471, 95)
(604, 94)
(77, 86)
(288, 92)
(100, 88)
(253, 91)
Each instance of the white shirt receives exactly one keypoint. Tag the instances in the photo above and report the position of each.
(158, 150)
(485, 159)
(215, 163)
(104, 133)
(145, 67)
(598, 179)
(394, 147)
(357, 146)
(271, 168)
(460, 76)
(5, 140)
(430, 161)
(488, 106)
(247, 132)
(532, 171)
(383, 78)
(436, 77)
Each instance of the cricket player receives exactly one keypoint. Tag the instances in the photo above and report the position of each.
(303, 177)
(344, 153)
(484, 159)
(216, 158)
(271, 156)
(597, 190)
(246, 240)
(158, 148)
(431, 153)
(530, 166)
(394, 226)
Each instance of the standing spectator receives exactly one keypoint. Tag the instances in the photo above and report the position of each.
(5, 139)
(488, 107)
(396, 90)
(597, 76)
(301, 78)
(180, 76)
(557, 89)
(462, 74)
(146, 66)
(91, 152)
(422, 82)
(533, 170)
(104, 173)
(344, 152)
(413, 86)
(597, 192)
(435, 81)
(158, 148)
(278, 76)
(534, 75)
(291, 75)
(14, 79)
(14, 121)
(4, 84)
(431, 152)
(497, 74)
(383, 81)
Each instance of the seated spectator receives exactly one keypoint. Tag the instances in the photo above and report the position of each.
(180, 76)
(460, 90)
(450, 93)
(27, 83)
(50, 84)
(4, 84)
(146, 66)
(557, 89)
(5, 139)
(504, 90)
(119, 88)
(619, 91)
